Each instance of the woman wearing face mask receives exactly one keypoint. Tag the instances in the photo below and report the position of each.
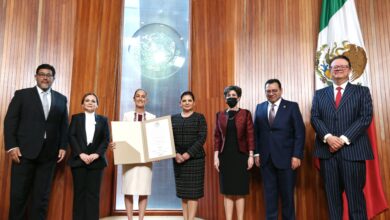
(137, 178)
(89, 136)
(189, 131)
(233, 152)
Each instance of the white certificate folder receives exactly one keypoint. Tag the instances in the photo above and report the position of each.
(141, 142)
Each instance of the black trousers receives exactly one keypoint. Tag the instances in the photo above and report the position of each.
(31, 181)
(86, 193)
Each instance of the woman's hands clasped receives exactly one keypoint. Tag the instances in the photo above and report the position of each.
(88, 159)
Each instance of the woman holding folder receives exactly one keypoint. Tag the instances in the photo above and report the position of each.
(88, 136)
(137, 178)
(189, 131)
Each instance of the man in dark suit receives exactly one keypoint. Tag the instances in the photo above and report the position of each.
(340, 115)
(280, 139)
(35, 135)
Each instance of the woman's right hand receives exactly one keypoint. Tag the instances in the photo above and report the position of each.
(85, 158)
(112, 145)
(216, 162)
(179, 158)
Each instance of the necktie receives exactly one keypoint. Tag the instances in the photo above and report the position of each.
(271, 115)
(45, 103)
(338, 96)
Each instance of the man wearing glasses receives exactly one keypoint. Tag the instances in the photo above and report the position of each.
(35, 135)
(340, 115)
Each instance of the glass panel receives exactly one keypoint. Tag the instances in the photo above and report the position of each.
(155, 58)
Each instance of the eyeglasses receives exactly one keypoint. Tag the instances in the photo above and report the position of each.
(272, 91)
(339, 67)
(43, 75)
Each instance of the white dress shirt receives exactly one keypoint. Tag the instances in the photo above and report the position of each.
(90, 123)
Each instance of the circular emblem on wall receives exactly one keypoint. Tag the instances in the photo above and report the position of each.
(157, 51)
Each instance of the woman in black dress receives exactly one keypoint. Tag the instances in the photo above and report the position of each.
(233, 152)
(189, 131)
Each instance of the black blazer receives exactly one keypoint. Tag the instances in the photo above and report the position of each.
(78, 141)
(25, 124)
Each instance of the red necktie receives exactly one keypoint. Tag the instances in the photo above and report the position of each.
(338, 96)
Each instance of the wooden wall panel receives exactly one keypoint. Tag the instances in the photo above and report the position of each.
(212, 68)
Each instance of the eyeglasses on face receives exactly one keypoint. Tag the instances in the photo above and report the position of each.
(272, 91)
(339, 67)
(43, 75)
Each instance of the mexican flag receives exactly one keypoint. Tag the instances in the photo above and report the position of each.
(340, 34)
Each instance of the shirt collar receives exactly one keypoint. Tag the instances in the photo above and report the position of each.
(40, 91)
(342, 86)
(90, 115)
(277, 103)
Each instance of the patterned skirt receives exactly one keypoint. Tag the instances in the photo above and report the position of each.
(189, 178)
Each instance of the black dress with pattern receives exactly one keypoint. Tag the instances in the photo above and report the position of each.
(190, 135)
(233, 173)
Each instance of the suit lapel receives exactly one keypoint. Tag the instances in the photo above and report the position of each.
(97, 127)
(264, 112)
(279, 113)
(82, 128)
(37, 99)
(329, 91)
(53, 103)
(349, 90)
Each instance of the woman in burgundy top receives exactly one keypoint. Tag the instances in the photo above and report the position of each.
(233, 152)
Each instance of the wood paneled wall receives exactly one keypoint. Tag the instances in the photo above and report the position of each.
(212, 68)
(241, 42)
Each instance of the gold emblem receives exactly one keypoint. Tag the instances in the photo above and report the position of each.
(356, 54)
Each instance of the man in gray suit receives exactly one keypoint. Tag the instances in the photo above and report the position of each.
(35, 136)
(340, 115)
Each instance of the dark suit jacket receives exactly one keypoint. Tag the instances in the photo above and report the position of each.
(244, 125)
(351, 119)
(284, 139)
(25, 123)
(78, 141)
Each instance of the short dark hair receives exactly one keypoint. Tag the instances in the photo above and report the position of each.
(270, 81)
(87, 94)
(139, 89)
(46, 66)
(340, 57)
(187, 93)
(237, 89)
